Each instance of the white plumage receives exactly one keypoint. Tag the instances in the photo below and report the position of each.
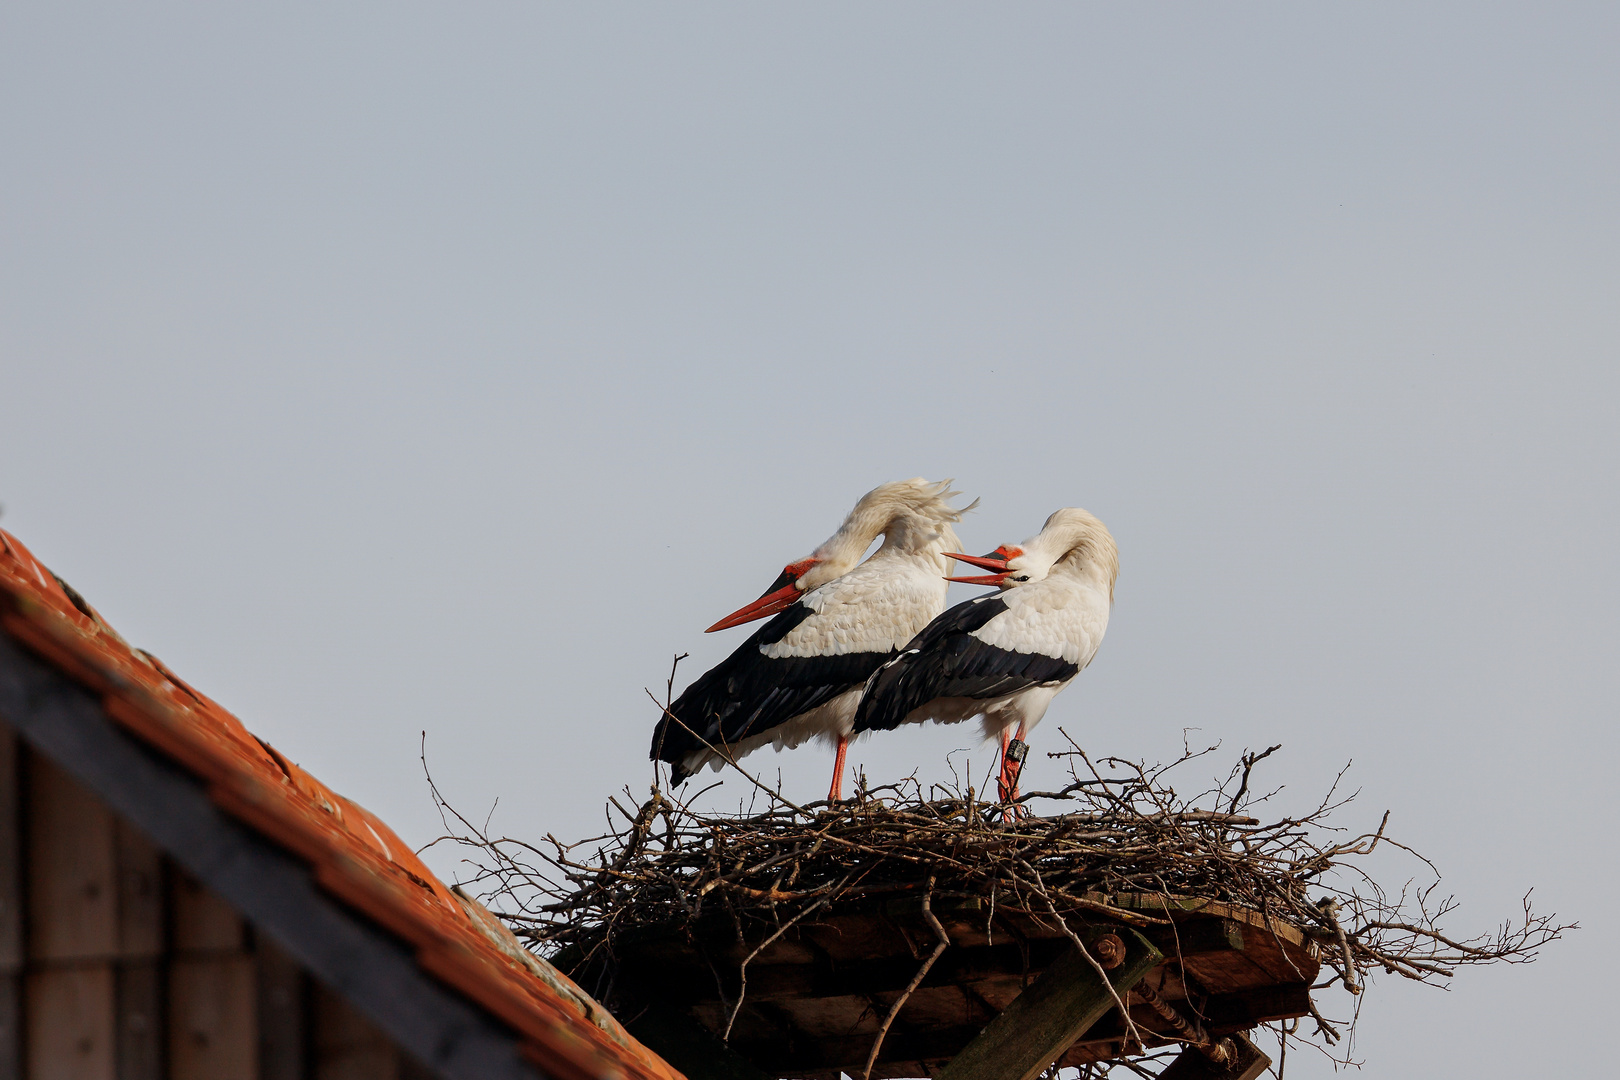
(1005, 656)
(801, 675)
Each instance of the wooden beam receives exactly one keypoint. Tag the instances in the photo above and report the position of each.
(1046, 1019)
(1259, 1005)
(1247, 1064)
(1195, 937)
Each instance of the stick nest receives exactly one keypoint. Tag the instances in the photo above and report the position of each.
(1118, 827)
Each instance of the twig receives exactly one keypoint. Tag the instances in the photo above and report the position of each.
(916, 980)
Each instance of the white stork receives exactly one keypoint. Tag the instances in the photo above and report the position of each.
(1004, 656)
(836, 622)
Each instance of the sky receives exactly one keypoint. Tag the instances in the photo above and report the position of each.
(392, 369)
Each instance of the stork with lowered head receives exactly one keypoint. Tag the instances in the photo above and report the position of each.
(1004, 656)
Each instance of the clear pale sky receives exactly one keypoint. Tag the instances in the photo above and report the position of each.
(397, 367)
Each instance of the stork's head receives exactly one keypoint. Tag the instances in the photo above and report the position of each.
(916, 510)
(796, 579)
(1072, 540)
(1012, 566)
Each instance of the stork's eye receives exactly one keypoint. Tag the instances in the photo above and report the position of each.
(1021, 577)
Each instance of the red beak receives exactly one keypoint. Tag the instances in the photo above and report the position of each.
(781, 595)
(767, 605)
(989, 562)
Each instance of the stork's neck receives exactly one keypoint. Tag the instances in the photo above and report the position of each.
(1091, 563)
(1083, 549)
(919, 539)
(912, 516)
(841, 551)
(1087, 571)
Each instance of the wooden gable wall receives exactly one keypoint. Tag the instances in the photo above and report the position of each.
(117, 965)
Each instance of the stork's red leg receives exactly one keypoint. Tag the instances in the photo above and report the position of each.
(1001, 778)
(837, 791)
(1011, 765)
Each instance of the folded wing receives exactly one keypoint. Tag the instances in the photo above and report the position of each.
(950, 660)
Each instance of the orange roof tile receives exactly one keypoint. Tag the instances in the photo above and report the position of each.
(355, 856)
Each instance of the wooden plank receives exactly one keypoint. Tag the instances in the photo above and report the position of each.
(202, 921)
(139, 991)
(689, 981)
(442, 1027)
(11, 894)
(1249, 1063)
(282, 1045)
(72, 869)
(1262, 1005)
(213, 1018)
(140, 893)
(11, 909)
(1155, 904)
(70, 1023)
(11, 1027)
(347, 1046)
(1046, 1019)
(1195, 937)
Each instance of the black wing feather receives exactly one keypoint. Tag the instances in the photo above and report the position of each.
(749, 694)
(946, 661)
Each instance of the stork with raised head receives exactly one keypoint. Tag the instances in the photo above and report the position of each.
(1004, 656)
(835, 620)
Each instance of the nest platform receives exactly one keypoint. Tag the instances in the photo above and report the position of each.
(817, 996)
(913, 933)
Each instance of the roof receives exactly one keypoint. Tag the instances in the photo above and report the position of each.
(355, 857)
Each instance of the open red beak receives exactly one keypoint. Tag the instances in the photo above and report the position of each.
(767, 605)
(989, 562)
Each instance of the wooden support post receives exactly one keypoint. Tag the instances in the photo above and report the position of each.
(1046, 1019)
(1247, 1063)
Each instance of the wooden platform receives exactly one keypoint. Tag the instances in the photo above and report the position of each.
(816, 997)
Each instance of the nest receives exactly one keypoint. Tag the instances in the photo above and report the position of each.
(1115, 844)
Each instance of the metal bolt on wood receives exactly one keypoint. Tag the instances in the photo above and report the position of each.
(1109, 951)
